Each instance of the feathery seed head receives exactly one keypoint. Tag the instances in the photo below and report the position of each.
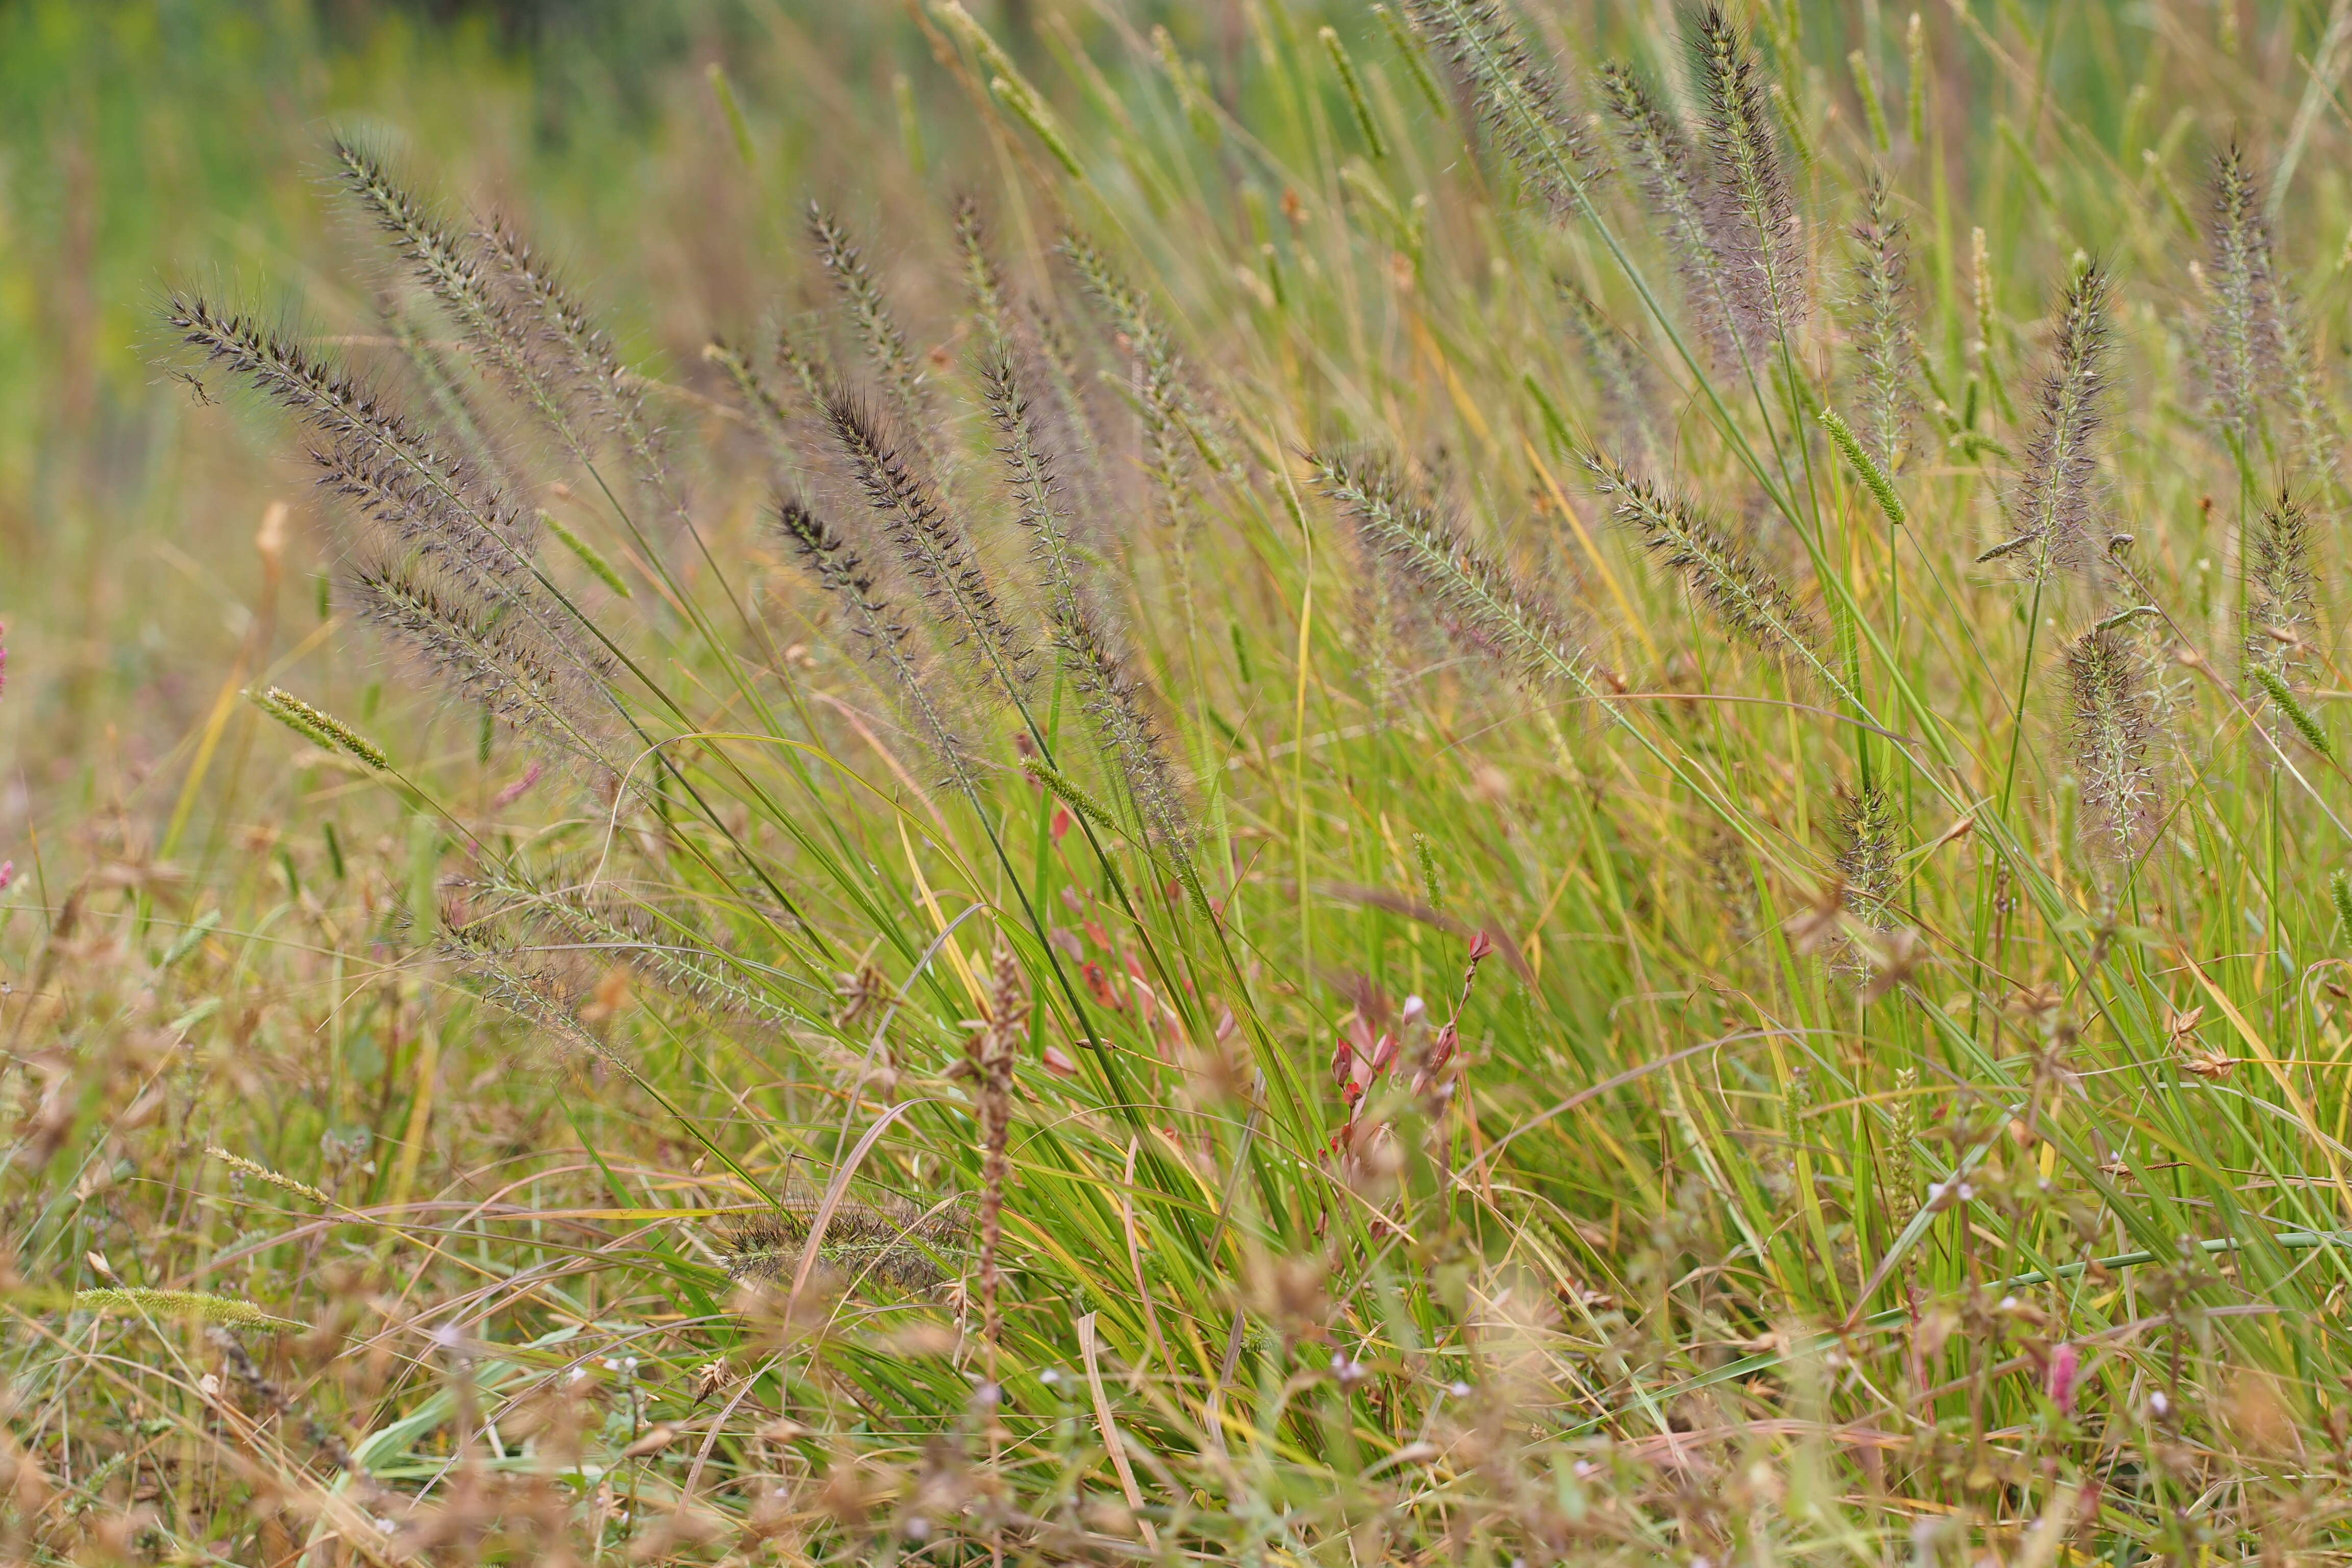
(1868, 831)
(882, 1241)
(664, 945)
(983, 281)
(1628, 388)
(875, 325)
(2112, 727)
(1885, 341)
(2242, 339)
(1128, 736)
(989, 1059)
(2279, 579)
(1175, 430)
(535, 993)
(929, 544)
(492, 317)
(1751, 213)
(1675, 190)
(878, 633)
(487, 657)
(432, 500)
(1518, 96)
(1030, 474)
(1715, 568)
(324, 728)
(2051, 504)
(1482, 604)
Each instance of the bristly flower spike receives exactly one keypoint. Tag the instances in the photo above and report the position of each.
(990, 1056)
(1667, 169)
(1030, 343)
(1174, 428)
(1873, 477)
(452, 271)
(506, 663)
(1030, 474)
(1868, 833)
(875, 326)
(929, 544)
(1884, 336)
(615, 396)
(1486, 610)
(661, 945)
(367, 443)
(983, 281)
(324, 729)
(2051, 504)
(880, 636)
(1628, 389)
(2279, 579)
(2111, 732)
(1752, 216)
(1518, 97)
(1130, 739)
(1715, 568)
(2243, 348)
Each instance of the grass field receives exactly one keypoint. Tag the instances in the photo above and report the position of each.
(1084, 783)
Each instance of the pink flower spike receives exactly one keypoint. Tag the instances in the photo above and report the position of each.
(7, 874)
(2065, 1366)
(514, 791)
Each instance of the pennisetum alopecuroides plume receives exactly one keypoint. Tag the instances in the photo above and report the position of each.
(1482, 604)
(1673, 186)
(2050, 503)
(1751, 214)
(2110, 729)
(1518, 96)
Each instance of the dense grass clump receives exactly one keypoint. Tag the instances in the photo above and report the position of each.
(1496, 784)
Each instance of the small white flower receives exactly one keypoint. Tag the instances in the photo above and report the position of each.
(1459, 1389)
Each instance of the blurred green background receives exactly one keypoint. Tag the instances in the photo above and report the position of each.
(149, 145)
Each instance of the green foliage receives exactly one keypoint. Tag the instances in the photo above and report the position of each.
(1274, 863)
(171, 1306)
